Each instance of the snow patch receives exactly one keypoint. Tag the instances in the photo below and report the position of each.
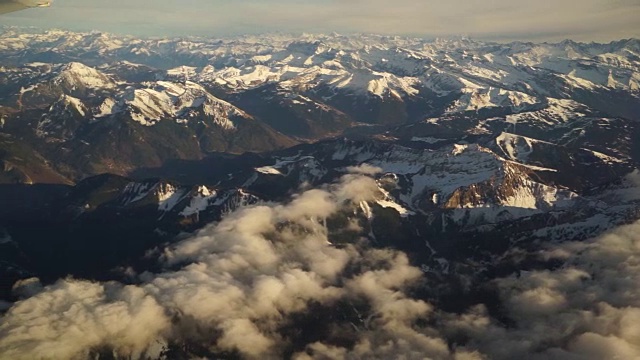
(269, 170)
(397, 207)
(200, 202)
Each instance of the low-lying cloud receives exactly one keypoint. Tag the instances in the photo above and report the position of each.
(587, 309)
(243, 285)
(237, 284)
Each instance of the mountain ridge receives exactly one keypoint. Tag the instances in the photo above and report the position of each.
(301, 89)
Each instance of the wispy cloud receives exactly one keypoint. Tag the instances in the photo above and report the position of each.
(597, 20)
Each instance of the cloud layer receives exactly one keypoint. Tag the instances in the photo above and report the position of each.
(237, 284)
(598, 20)
(248, 285)
(587, 309)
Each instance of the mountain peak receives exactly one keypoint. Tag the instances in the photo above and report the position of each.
(78, 75)
(70, 102)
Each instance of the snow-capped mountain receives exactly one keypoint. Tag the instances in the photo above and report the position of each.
(167, 100)
(95, 102)
(477, 132)
(94, 122)
(507, 177)
(372, 66)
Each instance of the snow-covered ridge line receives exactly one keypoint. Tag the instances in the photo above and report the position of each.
(30, 32)
(184, 200)
(379, 65)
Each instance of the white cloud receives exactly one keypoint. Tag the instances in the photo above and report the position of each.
(73, 317)
(26, 288)
(587, 309)
(236, 285)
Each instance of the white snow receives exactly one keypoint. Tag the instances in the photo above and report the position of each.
(558, 111)
(108, 107)
(164, 99)
(76, 74)
(393, 205)
(458, 149)
(366, 209)
(577, 82)
(516, 147)
(606, 158)
(135, 192)
(27, 89)
(474, 99)
(168, 196)
(369, 64)
(200, 202)
(269, 170)
(182, 71)
(75, 103)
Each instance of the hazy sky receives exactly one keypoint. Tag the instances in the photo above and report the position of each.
(586, 20)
